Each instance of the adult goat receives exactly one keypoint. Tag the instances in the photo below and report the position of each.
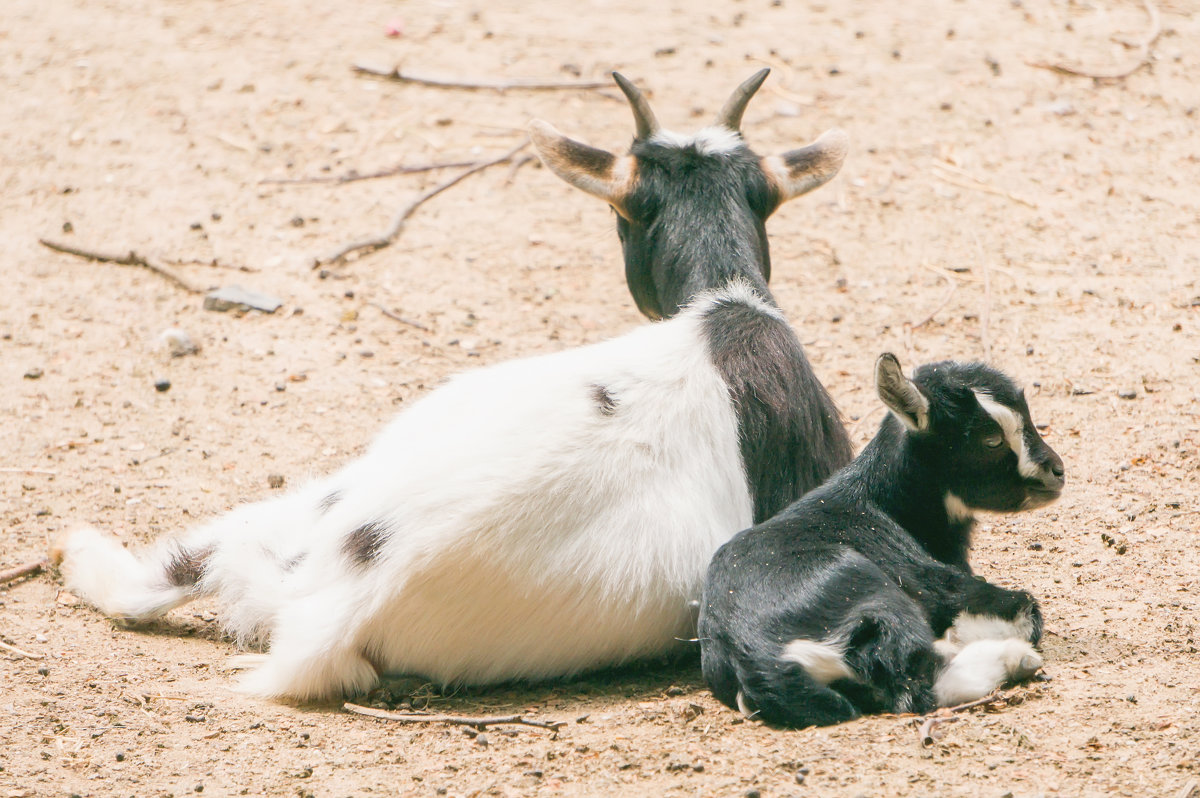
(545, 515)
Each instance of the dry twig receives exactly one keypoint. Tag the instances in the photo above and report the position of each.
(945, 714)
(354, 175)
(985, 315)
(19, 652)
(1190, 789)
(474, 85)
(1142, 46)
(368, 245)
(28, 569)
(454, 720)
(394, 316)
(130, 258)
(932, 722)
(948, 173)
(49, 472)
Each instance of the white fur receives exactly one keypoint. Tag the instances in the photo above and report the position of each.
(823, 661)
(983, 666)
(1014, 433)
(969, 628)
(532, 534)
(717, 140)
(957, 509)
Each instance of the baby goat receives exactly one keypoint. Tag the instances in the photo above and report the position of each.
(541, 516)
(832, 608)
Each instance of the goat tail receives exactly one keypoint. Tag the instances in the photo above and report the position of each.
(102, 572)
(243, 558)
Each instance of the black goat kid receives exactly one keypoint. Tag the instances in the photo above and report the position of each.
(834, 607)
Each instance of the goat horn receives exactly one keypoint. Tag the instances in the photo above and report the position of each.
(731, 114)
(647, 124)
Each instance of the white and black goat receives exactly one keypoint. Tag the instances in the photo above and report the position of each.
(834, 607)
(547, 515)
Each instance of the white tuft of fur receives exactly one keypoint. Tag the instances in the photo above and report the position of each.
(716, 140)
(824, 661)
(983, 666)
(102, 572)
(956, 509)
(969, 628)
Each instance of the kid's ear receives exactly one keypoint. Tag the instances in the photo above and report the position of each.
(900, 394)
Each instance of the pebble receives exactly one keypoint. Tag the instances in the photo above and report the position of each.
(178, 342)
(162, 386)
(234, 297)
(33, 374)
(275, 481)
(481, 740)
(1127, 393)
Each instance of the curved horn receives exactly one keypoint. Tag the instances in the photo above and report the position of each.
(730, 114)
(647, 125)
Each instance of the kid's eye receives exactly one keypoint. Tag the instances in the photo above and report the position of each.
(993, 441)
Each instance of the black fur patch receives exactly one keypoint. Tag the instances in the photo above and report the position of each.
(326, 504)
(791, 434)
(363, 544)
(293, 563)
(604, 400)
(185, 568)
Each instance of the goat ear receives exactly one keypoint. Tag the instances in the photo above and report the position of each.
(800, 171)
(900, 394)
(596, 171)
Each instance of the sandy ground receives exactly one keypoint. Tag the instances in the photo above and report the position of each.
(989, 208)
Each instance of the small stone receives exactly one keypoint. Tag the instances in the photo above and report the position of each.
(1035, 546)
(120, 757)
(275, 481)
(195, 719)
(234, 297)
(162, 386)
(1127, 393)
(43, 671)
(34, 373)
(481, 740)
(297, 221)
(674, 690)
(67, 227)
(198, 788)
(178, 342)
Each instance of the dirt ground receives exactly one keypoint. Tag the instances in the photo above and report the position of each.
(989, 208)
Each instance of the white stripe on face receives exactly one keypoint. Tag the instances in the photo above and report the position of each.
(1013, 427)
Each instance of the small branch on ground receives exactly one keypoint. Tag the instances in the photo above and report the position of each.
(985, 314)
(932, 722)
(515, 167)
(946, 714)
(49, 472)
(396, 74)
(949, 173)
(454, 720)
(19, 652)
(353, 175)
(394, 316)
(387, 238)
(28, 569)
(1142, 46)
(129, 258)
